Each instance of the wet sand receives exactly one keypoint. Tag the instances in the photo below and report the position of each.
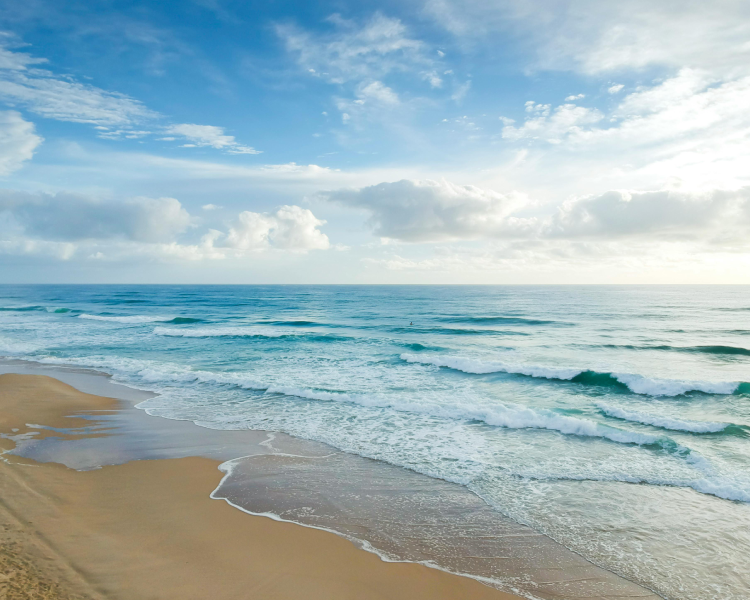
(148, 529)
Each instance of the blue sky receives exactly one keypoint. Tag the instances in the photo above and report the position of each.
(435, 141)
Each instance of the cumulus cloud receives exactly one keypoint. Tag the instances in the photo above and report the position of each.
(289, 228)
(18, 141)
(63, 225)
(354, 52)
(429, 211)
(435, 211)
(209, 136)
(73, 217)
(620, 213)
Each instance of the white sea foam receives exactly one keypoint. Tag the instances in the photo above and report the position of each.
(207, 332)
(125, 319)
(638, 384)
(512, 416)
(16, 347)
(663, 422)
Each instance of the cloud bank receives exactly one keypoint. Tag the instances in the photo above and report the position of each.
(438, 211)
(64, 224)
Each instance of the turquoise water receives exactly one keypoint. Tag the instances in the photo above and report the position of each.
(614, 419)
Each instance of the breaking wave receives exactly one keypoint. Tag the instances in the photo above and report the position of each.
(140, 319)
(718, 350)
(663, 422)
(637, 384)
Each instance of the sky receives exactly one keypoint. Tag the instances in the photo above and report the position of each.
(419, 141)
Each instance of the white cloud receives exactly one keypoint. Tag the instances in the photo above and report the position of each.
(665, 213)
(73, 217)
(18, 141)
(16, 61)
(433, 78)
(429, 211)
(575, 97)
(211, 207)
(376, 91)
(552, 126)
(62, 98)
(65, 225)
(596, 37)
(434, 211)
(615, 89)
(114, 115)
(209, 136)
(354, 52)
(289, 228)
(460, 91)
(692, 128)
(372, 98)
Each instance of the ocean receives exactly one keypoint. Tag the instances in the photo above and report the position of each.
(613, 420)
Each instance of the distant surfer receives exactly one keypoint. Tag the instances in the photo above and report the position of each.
(411, 322)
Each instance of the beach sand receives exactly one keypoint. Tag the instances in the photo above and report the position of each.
(148, 529)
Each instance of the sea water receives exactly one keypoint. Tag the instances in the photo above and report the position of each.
(615, 420)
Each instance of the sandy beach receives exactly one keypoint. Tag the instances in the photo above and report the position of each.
(148, 529)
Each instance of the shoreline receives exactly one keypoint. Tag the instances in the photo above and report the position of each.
(530, 563)
(90, 531)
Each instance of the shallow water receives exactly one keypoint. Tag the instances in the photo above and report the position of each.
(614, 420)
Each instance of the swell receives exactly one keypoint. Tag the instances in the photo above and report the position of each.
(135, 319)
(39, 308)
(627, 382)
(663, 422)
(248, 332)
(502, 320)
(454, 331)
(718, 349)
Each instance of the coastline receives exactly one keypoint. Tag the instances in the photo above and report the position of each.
(119, 531)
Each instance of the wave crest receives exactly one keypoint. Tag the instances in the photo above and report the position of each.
(663, 422)
(637, 384)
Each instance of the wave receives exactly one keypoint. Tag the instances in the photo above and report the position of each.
(663, 422)
(721, 487)
(454, 331)
(209, 332)
(38, 308)
(125, 319)
(726, 350)
(509, 415)
(500, 415)
(12, 347)
(249, 332)
(140, 319)
(417, 347)
(502, 321)
(293, 323)
(637, 384)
